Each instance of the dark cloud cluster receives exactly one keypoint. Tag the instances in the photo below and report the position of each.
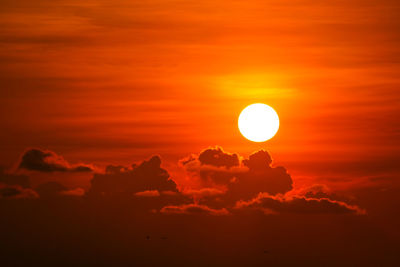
(55, 189)
(147, 176)
(16, 192)
(244, 179)
(261, 177)
(218, 183)
(45, 190)
(254, 184)
(297, 204)
(15, 186)
(48, 161)
(217, 157)
(193, 209)
(14, 179)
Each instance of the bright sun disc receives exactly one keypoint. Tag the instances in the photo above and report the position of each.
(258, 122)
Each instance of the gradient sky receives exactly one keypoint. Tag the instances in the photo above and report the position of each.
(116, 82)
(90, 87)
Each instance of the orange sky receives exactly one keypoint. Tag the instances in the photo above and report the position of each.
(92, 91)
(100, 82)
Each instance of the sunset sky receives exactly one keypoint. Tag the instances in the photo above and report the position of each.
(96, 83)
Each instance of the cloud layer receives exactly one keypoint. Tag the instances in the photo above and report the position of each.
(16, 192)
(218, 183)
(296, 204)
(244, 179)
(193, 209)
(48, 161)
(231, 182)
(147, 176)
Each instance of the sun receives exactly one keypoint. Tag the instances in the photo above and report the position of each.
(258, 122)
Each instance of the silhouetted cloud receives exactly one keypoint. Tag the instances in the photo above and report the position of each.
(77, 192)
(230, 182)
(297, 204)
(147, 176)
(14, 179)
(243, 179)
(50, 189)
(203, 192)
(54, 189)
(217, 157)
(16, 192)
(213, 166)
(193, 209)
(48, 161)
(148, 193)
(226, 182)
(315, 191)
(261, 177)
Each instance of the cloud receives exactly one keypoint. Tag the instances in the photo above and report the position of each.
(193, 209)
(14, 179)
(77, 192)
(203, 192)
(148, 193)
(213, 166)
(54, 189)
(261, 177)
(241, 179)
(315, 191)
(227, 183)
(231, 182)
(16, 192)
(297, 204)
(48, 161)
(50, 189)
(217, 157)
(147, 176)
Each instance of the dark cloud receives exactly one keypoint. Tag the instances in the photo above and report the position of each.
(226, 183)
(212, 166)
(148, 193)
(55, 189)
(297, 204)
(147, 176)
(48, 161)
(216, 168)
(14, 179)
(77, 192)
(258, 160)
(253, 183)
(15, 186)
(203, 192)
(16, 192)
(261, 177)
(317, 191)
(193, 209)
(50, 189)
(217, 157)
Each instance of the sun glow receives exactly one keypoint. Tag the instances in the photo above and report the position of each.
(258, 122)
